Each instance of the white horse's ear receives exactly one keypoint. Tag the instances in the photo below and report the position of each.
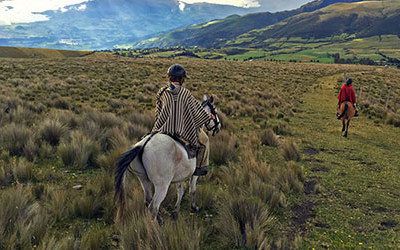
(205, 97)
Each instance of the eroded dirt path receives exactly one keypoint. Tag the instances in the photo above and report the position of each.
(352, 193)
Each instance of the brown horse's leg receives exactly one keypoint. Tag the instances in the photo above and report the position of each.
(344, 125)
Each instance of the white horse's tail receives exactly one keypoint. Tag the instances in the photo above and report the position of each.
(122, 165)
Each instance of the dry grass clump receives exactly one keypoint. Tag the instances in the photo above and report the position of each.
(393, 119)
(5, 174)
(57, 201)
(269, 138)
(290, 151)
(143, 232)
(80, 152)
(113, 139)
(32, 149)
(23, 223)
(53, 243)
(145, 119)
(96, 200)
(244, 222)
(223, 148)
(96, 238)
(14, 138)
(103, 120)
(22, 170)
(51, 131)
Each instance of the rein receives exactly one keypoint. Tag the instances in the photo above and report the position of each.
(213, 111)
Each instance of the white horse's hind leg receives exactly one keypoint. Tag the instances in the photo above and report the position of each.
(147, 189)
(160, 191)
(180, 192)
(192, 192)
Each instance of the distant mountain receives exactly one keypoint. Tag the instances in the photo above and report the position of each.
(318, 19)
(103, 24)
(360, 19)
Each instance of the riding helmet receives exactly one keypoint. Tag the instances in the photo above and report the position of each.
(349, 81)
(177, 70)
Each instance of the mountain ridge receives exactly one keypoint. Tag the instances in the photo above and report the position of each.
(259, 27)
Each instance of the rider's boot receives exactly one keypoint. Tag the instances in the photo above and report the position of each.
(200, 170)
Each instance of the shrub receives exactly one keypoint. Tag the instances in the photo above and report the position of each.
(269, 138)
(290, 151)
(22, 170)
(81, 152)
(14, 138)
(51, 131)
(223, 148)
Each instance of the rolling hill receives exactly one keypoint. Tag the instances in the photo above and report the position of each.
(318, 19)
(15, 52)
(360, 20)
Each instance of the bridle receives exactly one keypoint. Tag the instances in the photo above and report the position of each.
(215, 128)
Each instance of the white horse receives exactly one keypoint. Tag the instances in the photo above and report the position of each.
(158, 161)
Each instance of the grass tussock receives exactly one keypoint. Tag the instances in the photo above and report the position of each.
(52, 131)
(290, 151)
(269, 138)
(14, 138)
(144, 233)
(22, 170)
(80, 152)
(244, 222)
(96, 238)
(23, 222)
(223, 148)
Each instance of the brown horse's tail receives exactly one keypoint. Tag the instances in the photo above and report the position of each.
(346, 110)
(122, 165)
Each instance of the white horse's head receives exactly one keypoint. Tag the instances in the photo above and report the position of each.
(214, 125)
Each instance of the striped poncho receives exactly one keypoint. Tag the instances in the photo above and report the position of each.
(178, 113)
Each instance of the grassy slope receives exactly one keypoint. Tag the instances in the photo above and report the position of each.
(357, 178)
(14, 52)
(253, 94)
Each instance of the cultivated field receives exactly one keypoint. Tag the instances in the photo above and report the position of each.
(64, 122)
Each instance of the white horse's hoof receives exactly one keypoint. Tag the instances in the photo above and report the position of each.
(195, 209)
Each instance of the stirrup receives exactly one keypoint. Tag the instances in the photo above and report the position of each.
(200, 171)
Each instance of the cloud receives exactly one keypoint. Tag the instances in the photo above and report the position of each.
(238, 3)
(267, 5)
(22, 11)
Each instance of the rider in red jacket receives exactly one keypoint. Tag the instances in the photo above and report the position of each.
(348, 94)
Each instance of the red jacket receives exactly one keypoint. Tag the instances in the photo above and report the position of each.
(347, 93)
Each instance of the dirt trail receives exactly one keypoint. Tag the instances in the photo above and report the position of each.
(353, 184)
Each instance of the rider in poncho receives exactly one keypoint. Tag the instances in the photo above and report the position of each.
(180, 115)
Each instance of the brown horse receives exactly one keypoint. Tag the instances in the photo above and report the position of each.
(347, 111)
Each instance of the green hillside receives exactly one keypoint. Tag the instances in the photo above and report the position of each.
(216, 33)
(360, 19)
